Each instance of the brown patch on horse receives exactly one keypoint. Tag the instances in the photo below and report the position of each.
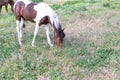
(26, 12)
(44, 20)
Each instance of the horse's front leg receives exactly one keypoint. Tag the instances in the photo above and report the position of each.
(48, 34)
(35, 34)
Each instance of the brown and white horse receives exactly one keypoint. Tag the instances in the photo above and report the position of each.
(39, 13)
(5, 3)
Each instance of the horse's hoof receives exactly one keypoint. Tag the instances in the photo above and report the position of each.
(20, 45)
(22, 40)
(51, 45)
(33, 45)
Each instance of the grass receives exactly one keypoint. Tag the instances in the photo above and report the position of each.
(91, 51)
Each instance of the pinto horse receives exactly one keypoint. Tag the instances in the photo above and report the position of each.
(5, 3)
(39, 13)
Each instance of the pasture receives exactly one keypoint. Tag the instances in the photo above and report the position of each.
(92, 44)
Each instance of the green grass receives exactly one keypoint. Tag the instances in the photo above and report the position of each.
(91, 52)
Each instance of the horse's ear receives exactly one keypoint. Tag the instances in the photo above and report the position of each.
(63, 29)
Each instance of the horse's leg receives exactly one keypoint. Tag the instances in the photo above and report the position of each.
(48, 34)
(0, 8)
(35, 34)
(6, 8)
(18, 31)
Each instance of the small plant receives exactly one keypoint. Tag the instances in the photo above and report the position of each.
(73, 2)
(37, 0)
(106, 5)
(100, 58)
(56, 6)
(92, 1)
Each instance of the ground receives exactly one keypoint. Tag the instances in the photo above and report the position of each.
(92, 45)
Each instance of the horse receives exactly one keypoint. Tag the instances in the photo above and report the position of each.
(38, 13)
(5, 3)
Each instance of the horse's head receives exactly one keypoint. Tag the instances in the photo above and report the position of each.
(59, 37)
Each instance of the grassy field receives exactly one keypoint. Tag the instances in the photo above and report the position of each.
(92, 45)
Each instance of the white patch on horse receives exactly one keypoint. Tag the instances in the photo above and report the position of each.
(43, 10)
